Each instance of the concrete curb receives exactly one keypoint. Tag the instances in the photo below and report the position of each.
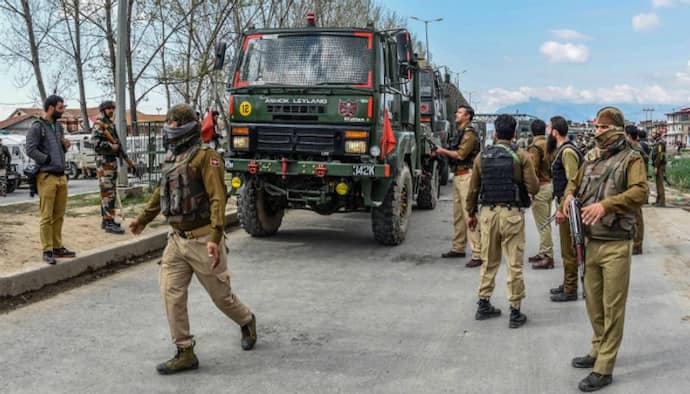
(23, 282)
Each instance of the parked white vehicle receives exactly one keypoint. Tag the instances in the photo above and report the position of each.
(17, 147)
(80, 157)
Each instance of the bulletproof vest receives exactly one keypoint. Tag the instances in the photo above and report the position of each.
(455, 145)
(558, 176)
(604, 177)
(183, 197)
(499, 185)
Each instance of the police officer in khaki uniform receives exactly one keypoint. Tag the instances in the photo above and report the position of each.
(503, 181)
(192, 197)
(541, 206)
(464, 149)
(659, 163)
(633, 138)
(611, 185)
(566, 163)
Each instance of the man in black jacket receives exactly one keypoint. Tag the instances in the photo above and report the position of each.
(46, 145)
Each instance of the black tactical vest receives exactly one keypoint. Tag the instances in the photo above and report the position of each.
(499, 185)
(455, 145)
(183, 196)
(558, 176)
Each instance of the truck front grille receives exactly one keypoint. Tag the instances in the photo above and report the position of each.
(295, 139)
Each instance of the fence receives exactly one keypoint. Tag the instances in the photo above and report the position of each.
(146, 151)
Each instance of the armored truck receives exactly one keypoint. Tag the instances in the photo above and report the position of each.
(328, 120)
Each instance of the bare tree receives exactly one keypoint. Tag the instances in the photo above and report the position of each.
(26, 27)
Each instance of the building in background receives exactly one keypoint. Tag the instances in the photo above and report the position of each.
(19, 122)
(678, 126)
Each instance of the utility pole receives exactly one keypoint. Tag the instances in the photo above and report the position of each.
(426, 33)
(120, 85)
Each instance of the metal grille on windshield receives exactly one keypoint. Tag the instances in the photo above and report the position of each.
(307, 60)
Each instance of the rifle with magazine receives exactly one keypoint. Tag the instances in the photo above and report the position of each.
(577, 234)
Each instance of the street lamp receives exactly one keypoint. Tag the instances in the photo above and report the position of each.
(426, 31)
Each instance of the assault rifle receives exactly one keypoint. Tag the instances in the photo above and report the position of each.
(120, 153)
(577, 234)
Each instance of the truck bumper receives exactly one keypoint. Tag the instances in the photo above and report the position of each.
(307, 168)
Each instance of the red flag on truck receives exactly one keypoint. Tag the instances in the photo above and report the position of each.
(207, 128)
(388, 139)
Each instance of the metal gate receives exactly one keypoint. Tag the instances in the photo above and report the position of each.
(146, 151)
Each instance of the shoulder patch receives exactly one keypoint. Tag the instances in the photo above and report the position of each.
(214, 161)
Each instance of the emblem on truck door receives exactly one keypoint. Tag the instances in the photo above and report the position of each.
(347, 108)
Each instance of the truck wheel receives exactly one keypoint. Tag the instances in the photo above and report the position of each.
(444, 172)
(428, 188)
(390, 220)
(255, 211)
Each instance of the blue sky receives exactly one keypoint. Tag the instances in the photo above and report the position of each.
(581, 51)
(575, 51)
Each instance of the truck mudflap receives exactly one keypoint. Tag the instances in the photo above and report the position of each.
(311, 168)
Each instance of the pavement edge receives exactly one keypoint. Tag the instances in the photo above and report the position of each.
(17, 284)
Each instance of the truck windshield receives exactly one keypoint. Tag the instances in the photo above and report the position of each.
(427, 84)
(306, 60)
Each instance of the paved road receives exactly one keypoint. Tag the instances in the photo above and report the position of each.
(338, 313)
(76, 186)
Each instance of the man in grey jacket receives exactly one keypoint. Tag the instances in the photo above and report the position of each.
(46, 144)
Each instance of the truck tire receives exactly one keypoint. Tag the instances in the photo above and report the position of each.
(444, 172)
(257, 216)
(391, 220)
(429, 188)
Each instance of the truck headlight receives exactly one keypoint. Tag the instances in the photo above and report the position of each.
(240, 142)
(356, 146)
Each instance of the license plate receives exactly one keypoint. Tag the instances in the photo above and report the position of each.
(229, 164)
(363, 170)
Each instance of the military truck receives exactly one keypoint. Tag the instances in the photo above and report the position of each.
(80, 157)
(433, 112)
(328, 120)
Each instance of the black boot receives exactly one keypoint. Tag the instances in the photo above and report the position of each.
(594, 382)
(557, 290)
(486, 310)
(564, 297)
(104, 221)
(517, 318)
(249, 334)
(584, 362)
(113, 228)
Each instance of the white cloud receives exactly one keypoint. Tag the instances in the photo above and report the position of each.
(668, 3)
(641, 22)
(558, 52)
(622, 93)
(569, 34)
(662, 3)
(683, 77)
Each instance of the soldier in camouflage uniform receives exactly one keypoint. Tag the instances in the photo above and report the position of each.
(192, 197)
(106, 159)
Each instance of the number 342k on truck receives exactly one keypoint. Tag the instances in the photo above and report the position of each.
(327, 120)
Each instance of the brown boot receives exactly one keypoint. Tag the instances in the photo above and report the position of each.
(473, 263)
(543, 264)
(535, 258)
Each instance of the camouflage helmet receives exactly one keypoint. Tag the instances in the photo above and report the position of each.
(181, 113)
(107, 104)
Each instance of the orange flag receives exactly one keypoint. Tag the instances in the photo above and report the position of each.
(388, 138)
(207, 128)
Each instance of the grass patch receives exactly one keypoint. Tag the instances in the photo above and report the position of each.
(678, 172)
(11, 223)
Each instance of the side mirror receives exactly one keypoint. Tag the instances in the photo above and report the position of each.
(404, 46)
(447, 78)
(219, 60)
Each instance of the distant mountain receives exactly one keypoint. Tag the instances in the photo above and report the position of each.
(583, 112)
